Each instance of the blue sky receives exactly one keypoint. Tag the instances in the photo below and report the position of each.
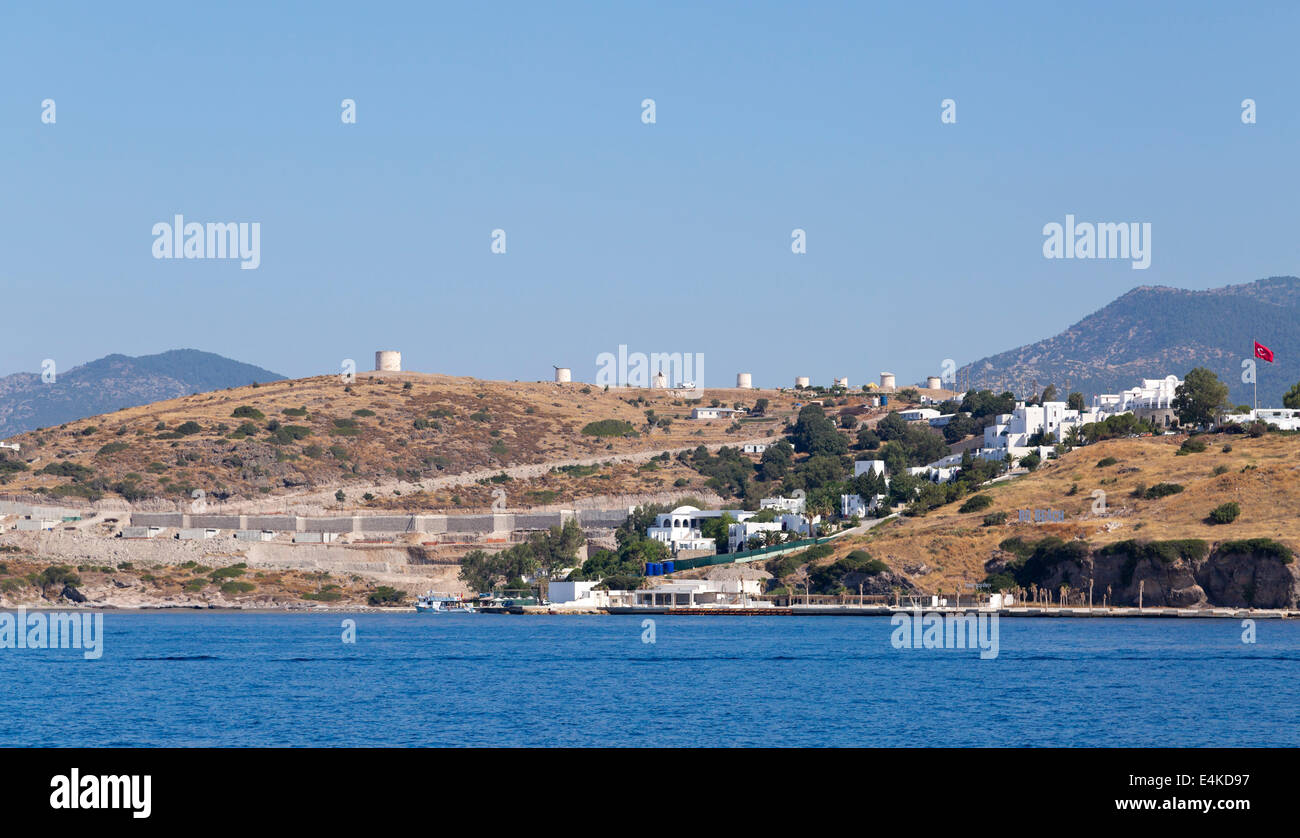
(924, 239)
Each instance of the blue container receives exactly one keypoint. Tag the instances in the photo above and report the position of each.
(884, 400)
(653, 569)
(669, 567)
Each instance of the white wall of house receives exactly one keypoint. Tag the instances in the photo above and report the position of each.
(1152, 393)
(1283, 418)
(876, 466)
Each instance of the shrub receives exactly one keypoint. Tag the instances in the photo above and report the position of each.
(345, 427)
(238, 587)
(1265, 547)
(1225, 513)
(111, 448)
(67, 469)
(993, 519)
(188, 428)
(609, 427)
(1161, 490)
(246, 412)
(363, 412)
(294, 411)
(384, 596)
(976, 503)
(285, 434)
(1106, 461)
(1191, 445)
(1165, 552)
(57, 575)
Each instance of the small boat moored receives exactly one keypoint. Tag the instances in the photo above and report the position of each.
(439, 603)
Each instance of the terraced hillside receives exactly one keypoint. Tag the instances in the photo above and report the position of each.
(384, 434)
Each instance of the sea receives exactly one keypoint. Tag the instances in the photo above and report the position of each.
(409, 679)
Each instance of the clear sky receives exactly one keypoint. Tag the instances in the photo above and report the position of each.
(924, 239)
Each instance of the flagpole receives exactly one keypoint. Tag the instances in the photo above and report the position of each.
(1255, 352)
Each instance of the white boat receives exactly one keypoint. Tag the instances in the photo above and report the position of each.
(438, 603)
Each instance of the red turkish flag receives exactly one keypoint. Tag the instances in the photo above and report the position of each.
(1263, 352)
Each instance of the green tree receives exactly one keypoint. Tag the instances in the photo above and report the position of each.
(1075, 402)
(1199, 397)
(776, 460)
(815, 434)
(557, 548)
(476, 572)
(1292, 397)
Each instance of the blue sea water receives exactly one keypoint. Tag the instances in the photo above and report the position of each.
(229, 679)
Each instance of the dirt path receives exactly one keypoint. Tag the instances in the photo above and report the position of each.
(318, 500)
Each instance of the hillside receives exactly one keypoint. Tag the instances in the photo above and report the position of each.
(947, 551)
(405, 439)
(116, 381)
(1151, 332)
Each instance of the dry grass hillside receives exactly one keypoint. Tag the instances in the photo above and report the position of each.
(311, 437)
(945, 550)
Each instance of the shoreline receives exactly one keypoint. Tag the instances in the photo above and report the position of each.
(1039, 612)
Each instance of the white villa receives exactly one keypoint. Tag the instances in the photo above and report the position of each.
(738, 534)
(712, 413)
(1286, 419)
(1011, 432)
(783, 504)
(856, 505)
(680, 529)
(1153, 394)
(876, 466)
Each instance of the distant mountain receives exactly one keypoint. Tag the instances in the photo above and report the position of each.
(117, 381)
(1151, 332)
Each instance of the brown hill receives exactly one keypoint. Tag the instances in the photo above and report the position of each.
(945, 551)
(305, 439)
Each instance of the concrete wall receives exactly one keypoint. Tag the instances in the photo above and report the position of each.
(382, 524)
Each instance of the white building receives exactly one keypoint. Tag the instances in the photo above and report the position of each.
(1011, 432)
(918, 414)
(874, 466)
(783, 504)
(934, 474)
(680, 529)
(197, 533)
(942, 420)
(738, 535)
(577, 595)
(712, 413)
(1153, 394)
(1286, 419)
(687, 593)
(36, 524)
(754, 447)
(856, 506)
